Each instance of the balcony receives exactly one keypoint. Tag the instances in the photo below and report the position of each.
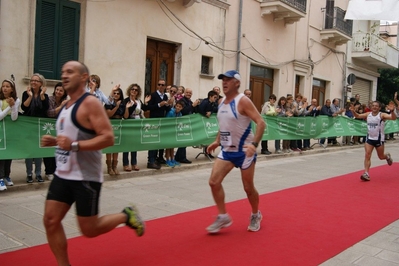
(336, 29)
(288, 10)
(370, 49)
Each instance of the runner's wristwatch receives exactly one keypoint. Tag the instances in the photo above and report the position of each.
(75, 146)
(255, 144)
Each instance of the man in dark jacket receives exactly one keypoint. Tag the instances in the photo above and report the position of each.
(181, 155)
(158, 106)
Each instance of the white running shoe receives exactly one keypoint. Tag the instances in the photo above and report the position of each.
(254, 224)
(365, 177)
(219, 223)
(2, 185)
(389, 159)
(50, 177)
(9, 181)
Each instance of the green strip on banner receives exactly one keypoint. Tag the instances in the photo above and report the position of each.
(21, 139)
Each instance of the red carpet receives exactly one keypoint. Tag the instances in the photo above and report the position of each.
(305, 225)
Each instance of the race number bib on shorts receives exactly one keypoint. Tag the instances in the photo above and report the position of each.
(225, 139)
(63, 160)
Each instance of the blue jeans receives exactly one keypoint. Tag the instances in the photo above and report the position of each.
(38, 166)
(133, 157)
(306, 143)
(277, 144)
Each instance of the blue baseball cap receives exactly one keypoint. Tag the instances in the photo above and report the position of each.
(230, 74)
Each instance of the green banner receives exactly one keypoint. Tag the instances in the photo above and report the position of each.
(21, 139)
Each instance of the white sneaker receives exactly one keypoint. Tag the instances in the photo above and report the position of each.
(50, 177)
(365, 177)
(389, 159)
(9, 181)
(2, 185)
(219, 223)
(254, 224)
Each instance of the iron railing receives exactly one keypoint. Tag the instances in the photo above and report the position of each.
(297, 4)
(335, 20)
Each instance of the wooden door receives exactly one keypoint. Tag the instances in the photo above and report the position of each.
(159, 64)
(261, 89)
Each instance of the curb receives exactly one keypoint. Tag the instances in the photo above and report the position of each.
(166, 170)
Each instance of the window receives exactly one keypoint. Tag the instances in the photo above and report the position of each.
(56, 36)
(206, 67)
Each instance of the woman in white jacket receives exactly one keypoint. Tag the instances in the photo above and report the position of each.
(9, 105)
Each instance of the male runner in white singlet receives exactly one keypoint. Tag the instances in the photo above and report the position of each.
(238, 149)
(375, 134)
(83, 129)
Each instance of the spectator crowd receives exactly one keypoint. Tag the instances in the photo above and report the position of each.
(166, 101)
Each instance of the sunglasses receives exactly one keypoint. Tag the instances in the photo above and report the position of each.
(161, 84)
(93, 80)
(116, 93)
(173, 91)
(135, 90)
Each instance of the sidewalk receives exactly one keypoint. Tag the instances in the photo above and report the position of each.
(161, 193)
(18, 170)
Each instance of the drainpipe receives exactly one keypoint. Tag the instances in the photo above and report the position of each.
(239, 36)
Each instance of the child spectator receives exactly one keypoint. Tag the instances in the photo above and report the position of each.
(180, 93)
(174, 112)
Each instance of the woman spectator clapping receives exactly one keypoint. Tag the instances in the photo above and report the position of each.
(35, 102)
(133, 111)
(56, 102)
(283, 111)
(115, 110)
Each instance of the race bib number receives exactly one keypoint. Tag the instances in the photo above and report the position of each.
(225, 139)
(63, 160)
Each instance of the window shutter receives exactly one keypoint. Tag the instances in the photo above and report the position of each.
(56, 36)
(68, 33)
(45, 38)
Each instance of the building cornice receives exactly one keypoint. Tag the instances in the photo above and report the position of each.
(363, 70)
(218, 3)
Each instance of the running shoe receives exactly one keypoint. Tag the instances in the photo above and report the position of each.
(134, 220)
(176, 163)
(170, 163)
(219, 223)
(39, 179)
(365, 177)
(50, 177)
(29, 179)
(2, 185)
(254, 224)
(9, 181)
(389, 159)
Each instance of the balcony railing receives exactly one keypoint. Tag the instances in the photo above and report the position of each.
(336, 21)
(374, 51)
(369, 42)
(297, 4)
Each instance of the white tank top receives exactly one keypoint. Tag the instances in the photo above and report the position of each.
(81, 165)
(375, 127)
(235, 129)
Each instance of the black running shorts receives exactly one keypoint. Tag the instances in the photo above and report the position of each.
(86, 194)
(375, 143)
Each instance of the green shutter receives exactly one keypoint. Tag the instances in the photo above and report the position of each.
(69, 33)
(56, 36)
